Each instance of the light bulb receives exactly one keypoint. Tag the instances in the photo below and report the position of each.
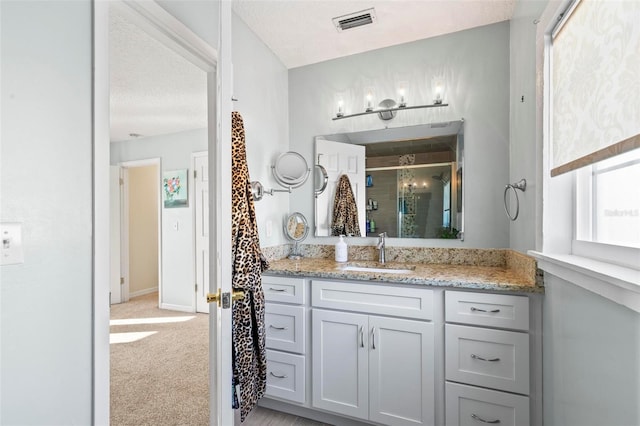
(369, 101)
(438, 99)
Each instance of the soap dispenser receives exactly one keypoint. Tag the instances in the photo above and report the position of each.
(341, 250)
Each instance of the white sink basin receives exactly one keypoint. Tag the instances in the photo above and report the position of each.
(376, 269)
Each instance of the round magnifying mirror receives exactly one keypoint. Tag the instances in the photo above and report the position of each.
(320, 179)
(290, 169)
(296, 229)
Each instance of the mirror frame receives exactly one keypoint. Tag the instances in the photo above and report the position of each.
(422, 131)
(283, 180)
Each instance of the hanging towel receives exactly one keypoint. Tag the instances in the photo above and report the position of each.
(344, 219)
(249, 356)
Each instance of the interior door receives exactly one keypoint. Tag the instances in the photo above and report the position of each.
(115, 206)
(220, 370)
(340, 158)
(201, 207)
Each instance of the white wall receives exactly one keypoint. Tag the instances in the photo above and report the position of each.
(474, 66)
(46, 183)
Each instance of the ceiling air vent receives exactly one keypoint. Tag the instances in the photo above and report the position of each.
(353, 20)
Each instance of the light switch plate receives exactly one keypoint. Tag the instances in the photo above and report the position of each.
(11, 243)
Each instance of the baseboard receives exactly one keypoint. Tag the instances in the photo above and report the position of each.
(143, 292)
(181, 308)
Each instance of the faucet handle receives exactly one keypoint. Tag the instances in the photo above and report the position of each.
(383, 235)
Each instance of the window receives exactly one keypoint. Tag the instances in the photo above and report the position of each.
(608, 201)
(595, 125)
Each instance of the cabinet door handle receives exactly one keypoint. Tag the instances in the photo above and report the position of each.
(493, 311)
(362, 336)
(276, 289)
(480, 419)
(278, 328)
(474, 356)
(373, 338)
(284, 376)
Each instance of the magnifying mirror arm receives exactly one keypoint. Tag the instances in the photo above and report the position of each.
(272, 190)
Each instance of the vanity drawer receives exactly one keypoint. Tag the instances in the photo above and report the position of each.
(285, 376)
(284, 325)
(491, 358)
(492, 310)
(469, 406)
(283, 289)
(383, 300)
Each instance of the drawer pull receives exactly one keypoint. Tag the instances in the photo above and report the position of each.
(278, 328)
(284, 376)
(493, 311)
(362, 336)
(480, 419)
(277, 289)
(474, 356)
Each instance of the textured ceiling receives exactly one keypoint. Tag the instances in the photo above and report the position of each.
(300, 32)
(153, 90)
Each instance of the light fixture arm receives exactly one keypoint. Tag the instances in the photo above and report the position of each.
(391, 110)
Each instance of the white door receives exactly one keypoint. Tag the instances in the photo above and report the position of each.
(401, 369)
(115, 192)
(201, 208)
(220, 369)
(338, 159)
(340, 362)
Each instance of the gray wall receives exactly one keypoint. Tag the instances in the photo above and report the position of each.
(522, 154)
(260, 83)
(591, 358)
(46, 183)
(474, 66)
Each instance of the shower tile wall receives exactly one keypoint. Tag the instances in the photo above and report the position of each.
(384, 191)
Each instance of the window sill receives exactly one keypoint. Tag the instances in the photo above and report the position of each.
(613, 282)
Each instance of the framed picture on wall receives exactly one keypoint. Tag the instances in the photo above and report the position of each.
(174, 189)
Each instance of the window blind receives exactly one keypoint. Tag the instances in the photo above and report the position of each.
(595, 70)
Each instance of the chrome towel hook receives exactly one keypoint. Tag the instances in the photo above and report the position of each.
(522, 186)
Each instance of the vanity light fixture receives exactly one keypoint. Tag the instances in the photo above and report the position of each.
(387, 109)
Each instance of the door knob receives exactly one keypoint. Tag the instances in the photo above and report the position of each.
(224, 299)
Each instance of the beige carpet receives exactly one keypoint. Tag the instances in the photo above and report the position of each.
(163, 379)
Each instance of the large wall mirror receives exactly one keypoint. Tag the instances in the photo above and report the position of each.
(405, 181)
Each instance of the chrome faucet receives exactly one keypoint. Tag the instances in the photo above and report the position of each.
(380, 246)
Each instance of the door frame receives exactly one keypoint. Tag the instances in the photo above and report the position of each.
(124, 224)
(192, 195)
(166, 28)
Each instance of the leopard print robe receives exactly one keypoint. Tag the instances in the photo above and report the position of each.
(345, 210)
(249, 356)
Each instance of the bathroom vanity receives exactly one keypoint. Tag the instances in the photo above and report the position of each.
(403, 343)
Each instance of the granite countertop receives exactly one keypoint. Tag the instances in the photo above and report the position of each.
(494, 278)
